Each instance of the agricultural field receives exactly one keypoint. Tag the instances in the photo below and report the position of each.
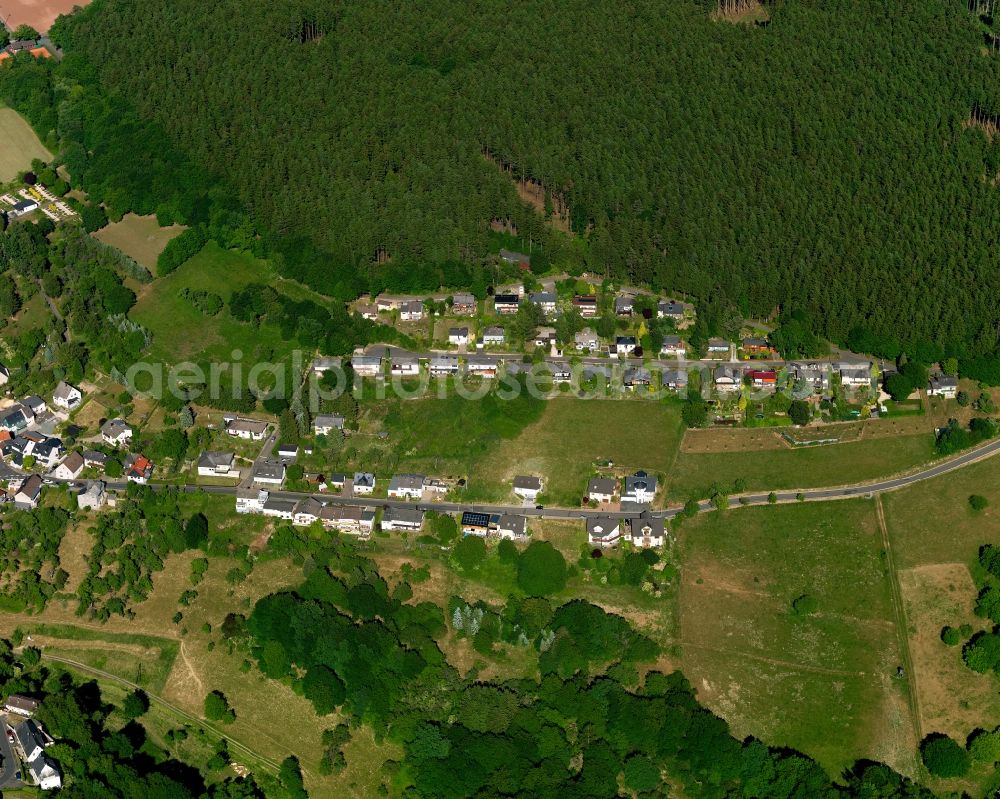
(20, 145)
(808, 467)
(774, 672)
(139, 237)
(183, 333)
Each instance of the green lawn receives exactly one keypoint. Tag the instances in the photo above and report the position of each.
(822, 683)
(807, 467)
(182, 333)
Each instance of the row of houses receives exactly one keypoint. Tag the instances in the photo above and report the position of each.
(413, 309)
(31, 741)
(351, 519)
(815, 377)
(644, 531)
(639, 488)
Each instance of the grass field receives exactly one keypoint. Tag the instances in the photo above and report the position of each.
(181, 332)
(20, 145)
(829, 465)
(139, 237)
(823, 683)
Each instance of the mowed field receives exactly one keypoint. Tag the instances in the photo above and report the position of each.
(936, 537)
(824, 683)
(20, 145)
(139, 237)
(786, 468)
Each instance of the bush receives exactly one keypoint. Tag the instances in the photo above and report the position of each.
(799, 412)
(541, 569)
(470, 552)
(978, 502)
(805, 605)
(217, 708)
(135, 704)
(943, 756)
(951, 636)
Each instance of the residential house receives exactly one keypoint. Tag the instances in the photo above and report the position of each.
(383, 304)
(766, 378)
(728, 378)
(404, 365)
(587, 339)
(624, 305)
(546, 300)
(407, 519)
(515, 258)
(586, 304)
(336, 481)
(812, 375)
(138, 469)
(506, 304)
(675, 379)
(463, 305)
(433, 485)
(367, 365)
(307, 512)
(92, 459)
(528, 487)
(30, 739)
(363, 483)
(35, 404)
(406, 486)
(459, 336)
(218, 464)
(475, 523)
(560, 371)
(673, 347)
(247, 429)
(350, 519)
(70, 468)
(16, 419)
(92, 497)
(367, 311)
(626, 345)
(603, 531)
(325, 364)
(482, 365)
(4, 375)
(326, 423)
(66, 397)
(44, 773)
(47, 452)
(857, 376)
(287, 452)
(118, 433)
(444, 365)
(411, 311)
(646, 531)
(718, 347)
(544, 338)
(279, 509)
(670, 309)
(636, 376)
(251, 500)
(27, 496)
(493, 336)
(943, 386)
(21, 705)
(269, 472)
(601, 489)
(639, 487)
(756, 346)
(26, 206)
(512, 527)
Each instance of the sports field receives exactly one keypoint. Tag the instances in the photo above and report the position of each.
(20, 145)
(39, 14)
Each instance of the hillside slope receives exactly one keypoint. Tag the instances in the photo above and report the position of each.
(822, 162)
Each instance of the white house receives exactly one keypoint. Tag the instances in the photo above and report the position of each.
(66, 397)
(279, 509)
(718, 347)
(727, 378)
(444, 365)
(44, 773)
(943, 386)
(269, 473)
(512, 527)
(625, 345)
(482, 365)
(247, 429)
(402, 519)
(459, 336)
(349, 519)
(251, 500)
(603, 531)
(116, 432)
(406, 486)
(93, 498)
(601, 489)
(364, 483)
(307, 512)
(673, 347)
(4, 375)
(27, 496)
(587, 339)
(70, 468)
(546, 300)
(506, 304)
(405, 365)
(670, 309)
(412, 311)
(645, 531)
(30, 739)
(528, 487)
(639, 487)
(35, 404)
(367, 365)
(325, 424)
(493, 336)
(859, 376)
(325, 364)
(218, 464)
(21, 705)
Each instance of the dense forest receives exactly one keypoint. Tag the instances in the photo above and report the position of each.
(822, 162)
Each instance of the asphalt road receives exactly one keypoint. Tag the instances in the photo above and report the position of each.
(756, 498)
(9, 764)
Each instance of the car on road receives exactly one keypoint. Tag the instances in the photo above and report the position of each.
(539, 507)
(49, 481)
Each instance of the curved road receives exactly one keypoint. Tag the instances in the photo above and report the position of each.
(755, 498)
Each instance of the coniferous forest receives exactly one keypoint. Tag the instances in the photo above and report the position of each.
(823, 161)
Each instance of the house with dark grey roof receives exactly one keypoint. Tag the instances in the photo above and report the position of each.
(36, 404)
(645, 531)
(625, 345)
(603, 531)
(27, 496)
(279, 508)
(673, 347)
(66, 397)
(403, 486)
(493, 336)
(218, 464)
(269, 472)
(444, 365)
(15, 419)
(408, 519)
(367, 365)
(512, 526)
(364, 483)
(29, 739)
(92, 459)
(639, 487)
(943, 386)
(411, 311)
(670, 309)
(459, 336)
(601, 489)
(463, 304)
(118, 433)
(325, 423)
(506, 304)
(527, 487)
